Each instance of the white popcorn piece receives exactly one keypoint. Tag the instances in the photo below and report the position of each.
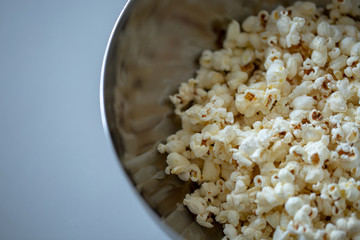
(283, 24)
(341, 224)
(207, 78)
(293, 63)
(209, 189)
(276, 74)
(284, 220)
(353, 224)
(210, 130)
(266, 200)
(242, 160)
(272, 55)
(346, 89)
(293, 37)
(355, 50)
(349, 156)
(303, 103)
(175, 146)
(300, 90)
(337, 34)
(317, 152)
(338, 63)
(334, 192)
(176, 163)
(305, 214)
(284, 190)
(350, 189)
(233, 217)
(313, 174)
(337, 102)
(330, 44)
(293, 204)
(318, 44)
(197, 146)
(311, 133)
(279, 150)
(281, 234)
(232, 35)
(196, 204)
(225, 135)
(252, 24)
(306, 8)
(335, 52)
(351, 133)
(324, 29)
(235, 79)
(230, 231)
(337, 235)
(286, 176)
(247, 57)
(319, 57)
(211, 171)
(221, 60)
(273, 219)
(346, 44)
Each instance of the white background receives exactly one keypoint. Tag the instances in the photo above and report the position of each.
(59, 178)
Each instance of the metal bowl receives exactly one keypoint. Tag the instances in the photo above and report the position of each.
(153, 47)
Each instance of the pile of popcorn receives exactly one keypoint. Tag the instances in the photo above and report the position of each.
(270, 126)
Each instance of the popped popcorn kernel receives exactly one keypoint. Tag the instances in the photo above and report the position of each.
(270, 126)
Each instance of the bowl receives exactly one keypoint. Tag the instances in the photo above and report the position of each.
(154, 46)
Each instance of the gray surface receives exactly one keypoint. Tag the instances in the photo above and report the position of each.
(59, 178)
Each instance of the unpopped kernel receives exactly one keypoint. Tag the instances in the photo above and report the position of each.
(270, 126)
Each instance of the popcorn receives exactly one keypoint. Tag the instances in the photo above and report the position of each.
(252, 24)
(270, 127)
(276, 74)
(196, 145)
(337, 102)
(346, 45)
(293, 63)
(232, 35)
(209, 189)
(324, 29)
(338, 63)
(235, 79)
(284, 190)
(318, 43)
(230, 231)
(175, 146)
(286, 176)
(207, 79)
(317, 152)
(176, 163)
(221, 60)
(312, 174)
(305, 214)
(335, 52)
(355, 50)
(319, 57)
(196, 204)
(337, 235)
(273, 219)
(293, 37)
(303, 103)
(210, 171)
(293, 204)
